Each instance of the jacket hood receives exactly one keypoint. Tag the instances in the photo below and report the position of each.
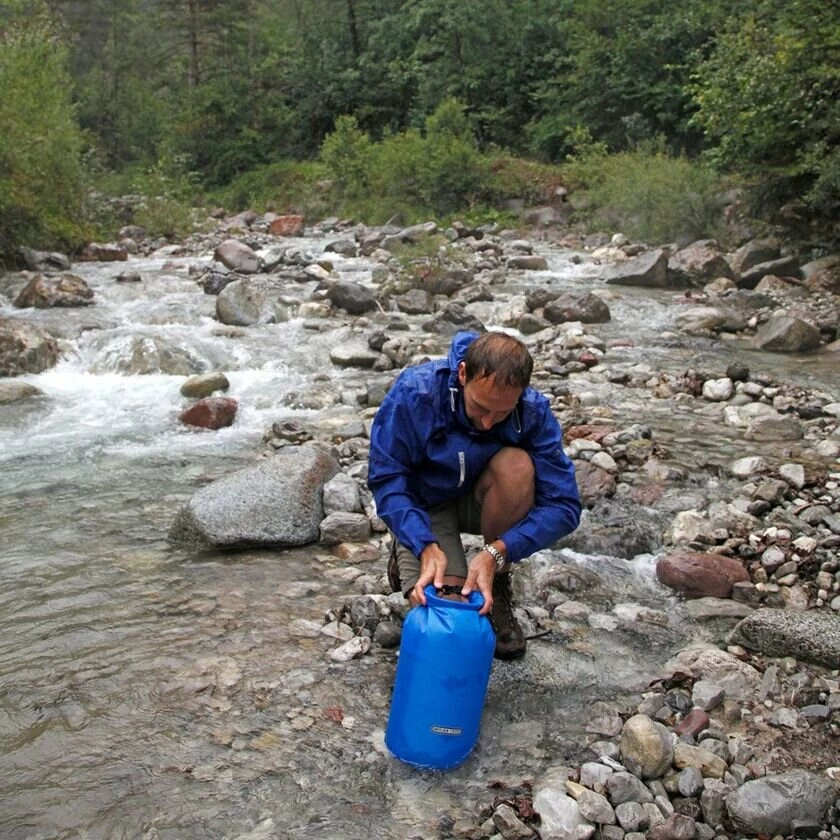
(458, 348)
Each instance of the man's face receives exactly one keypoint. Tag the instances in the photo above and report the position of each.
(485, 402)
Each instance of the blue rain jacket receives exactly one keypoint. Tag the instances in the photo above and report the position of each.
(424, 451)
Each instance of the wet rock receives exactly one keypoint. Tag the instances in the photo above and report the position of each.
(353, 356)
(769, 805)
(210, 413)
(694, 574)
(277, 503)
(237, 256)
(787, 334)
(136, 355)
(25, 348)
(244, 303)
(11, 390)
(585, 307)
(527, 262)
(44, 291)
(452, 319)
(646, 270)
(197, 387)
(811, 636)
(738, 679)
(353, 298)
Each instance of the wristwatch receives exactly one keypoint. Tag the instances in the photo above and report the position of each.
(501, 560)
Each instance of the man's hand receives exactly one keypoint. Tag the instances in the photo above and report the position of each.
(480, 576)
(432, 569)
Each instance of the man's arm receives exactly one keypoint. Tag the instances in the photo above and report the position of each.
(396, 449)
(557, 507)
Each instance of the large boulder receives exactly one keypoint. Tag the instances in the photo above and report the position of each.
(696, 575)
(25, 348)
(237, 256)
(276, 503)
(44, 260)
(13, 390)
(813, 636)
(44, 291)
(784, 267)
(769, 806)
(584, 307)
(133, 355)
(753, 253)
(244, 303)
(351, 297)
(697, 264)
(650, 269)
(787, 334)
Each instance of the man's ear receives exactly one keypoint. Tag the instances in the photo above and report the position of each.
(462, 373)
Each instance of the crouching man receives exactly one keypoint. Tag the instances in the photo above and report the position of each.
(465, 445)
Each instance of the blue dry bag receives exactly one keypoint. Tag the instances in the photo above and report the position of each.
(446, 654)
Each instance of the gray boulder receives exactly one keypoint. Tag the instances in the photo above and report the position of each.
(44, 291)
(586, 308)
(13, 390)
(698, 263)
(769, 805)
(351, 297)
(237, 256)
(811, 636)
(45, 260)
(25, 348)
(277, 503)
(247, 302)
(784, 267)
(753, 253)
(787, 334)
(650, 270)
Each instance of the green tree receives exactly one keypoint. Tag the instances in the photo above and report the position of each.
(768, 99)
(40, 144)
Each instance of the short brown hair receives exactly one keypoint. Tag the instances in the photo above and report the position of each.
(502, 356)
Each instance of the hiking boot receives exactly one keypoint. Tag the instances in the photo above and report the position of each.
(394, 569)
(510, 640)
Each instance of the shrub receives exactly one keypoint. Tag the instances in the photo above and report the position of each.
(649, 194)
(40, 142)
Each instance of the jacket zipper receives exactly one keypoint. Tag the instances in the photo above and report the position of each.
(462, 468)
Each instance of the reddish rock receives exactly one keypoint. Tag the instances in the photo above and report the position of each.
(593, 483)
(693, 723)
(287, 226)
(588, 432)
(696, 575)
(211, 413)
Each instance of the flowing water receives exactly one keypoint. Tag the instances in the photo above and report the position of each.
(149, 692)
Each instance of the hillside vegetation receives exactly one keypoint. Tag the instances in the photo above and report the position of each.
(420, 108)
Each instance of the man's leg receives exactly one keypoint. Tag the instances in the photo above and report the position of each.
(505, 492)
(445, 525)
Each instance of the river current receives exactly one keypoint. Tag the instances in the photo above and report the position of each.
(150, 692)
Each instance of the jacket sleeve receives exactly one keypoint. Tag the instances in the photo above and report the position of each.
(397, 448)
(557, 507)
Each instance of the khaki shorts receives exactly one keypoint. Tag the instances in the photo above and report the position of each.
(449, 521)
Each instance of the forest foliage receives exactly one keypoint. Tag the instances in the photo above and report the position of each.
(415, 106)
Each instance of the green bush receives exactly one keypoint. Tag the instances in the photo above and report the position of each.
(40, 143)
(649, 194)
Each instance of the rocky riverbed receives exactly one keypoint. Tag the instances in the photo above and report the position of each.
(692, 622)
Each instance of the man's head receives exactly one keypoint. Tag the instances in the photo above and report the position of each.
(494, 372)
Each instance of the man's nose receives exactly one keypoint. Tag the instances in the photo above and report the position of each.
(487, 422)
